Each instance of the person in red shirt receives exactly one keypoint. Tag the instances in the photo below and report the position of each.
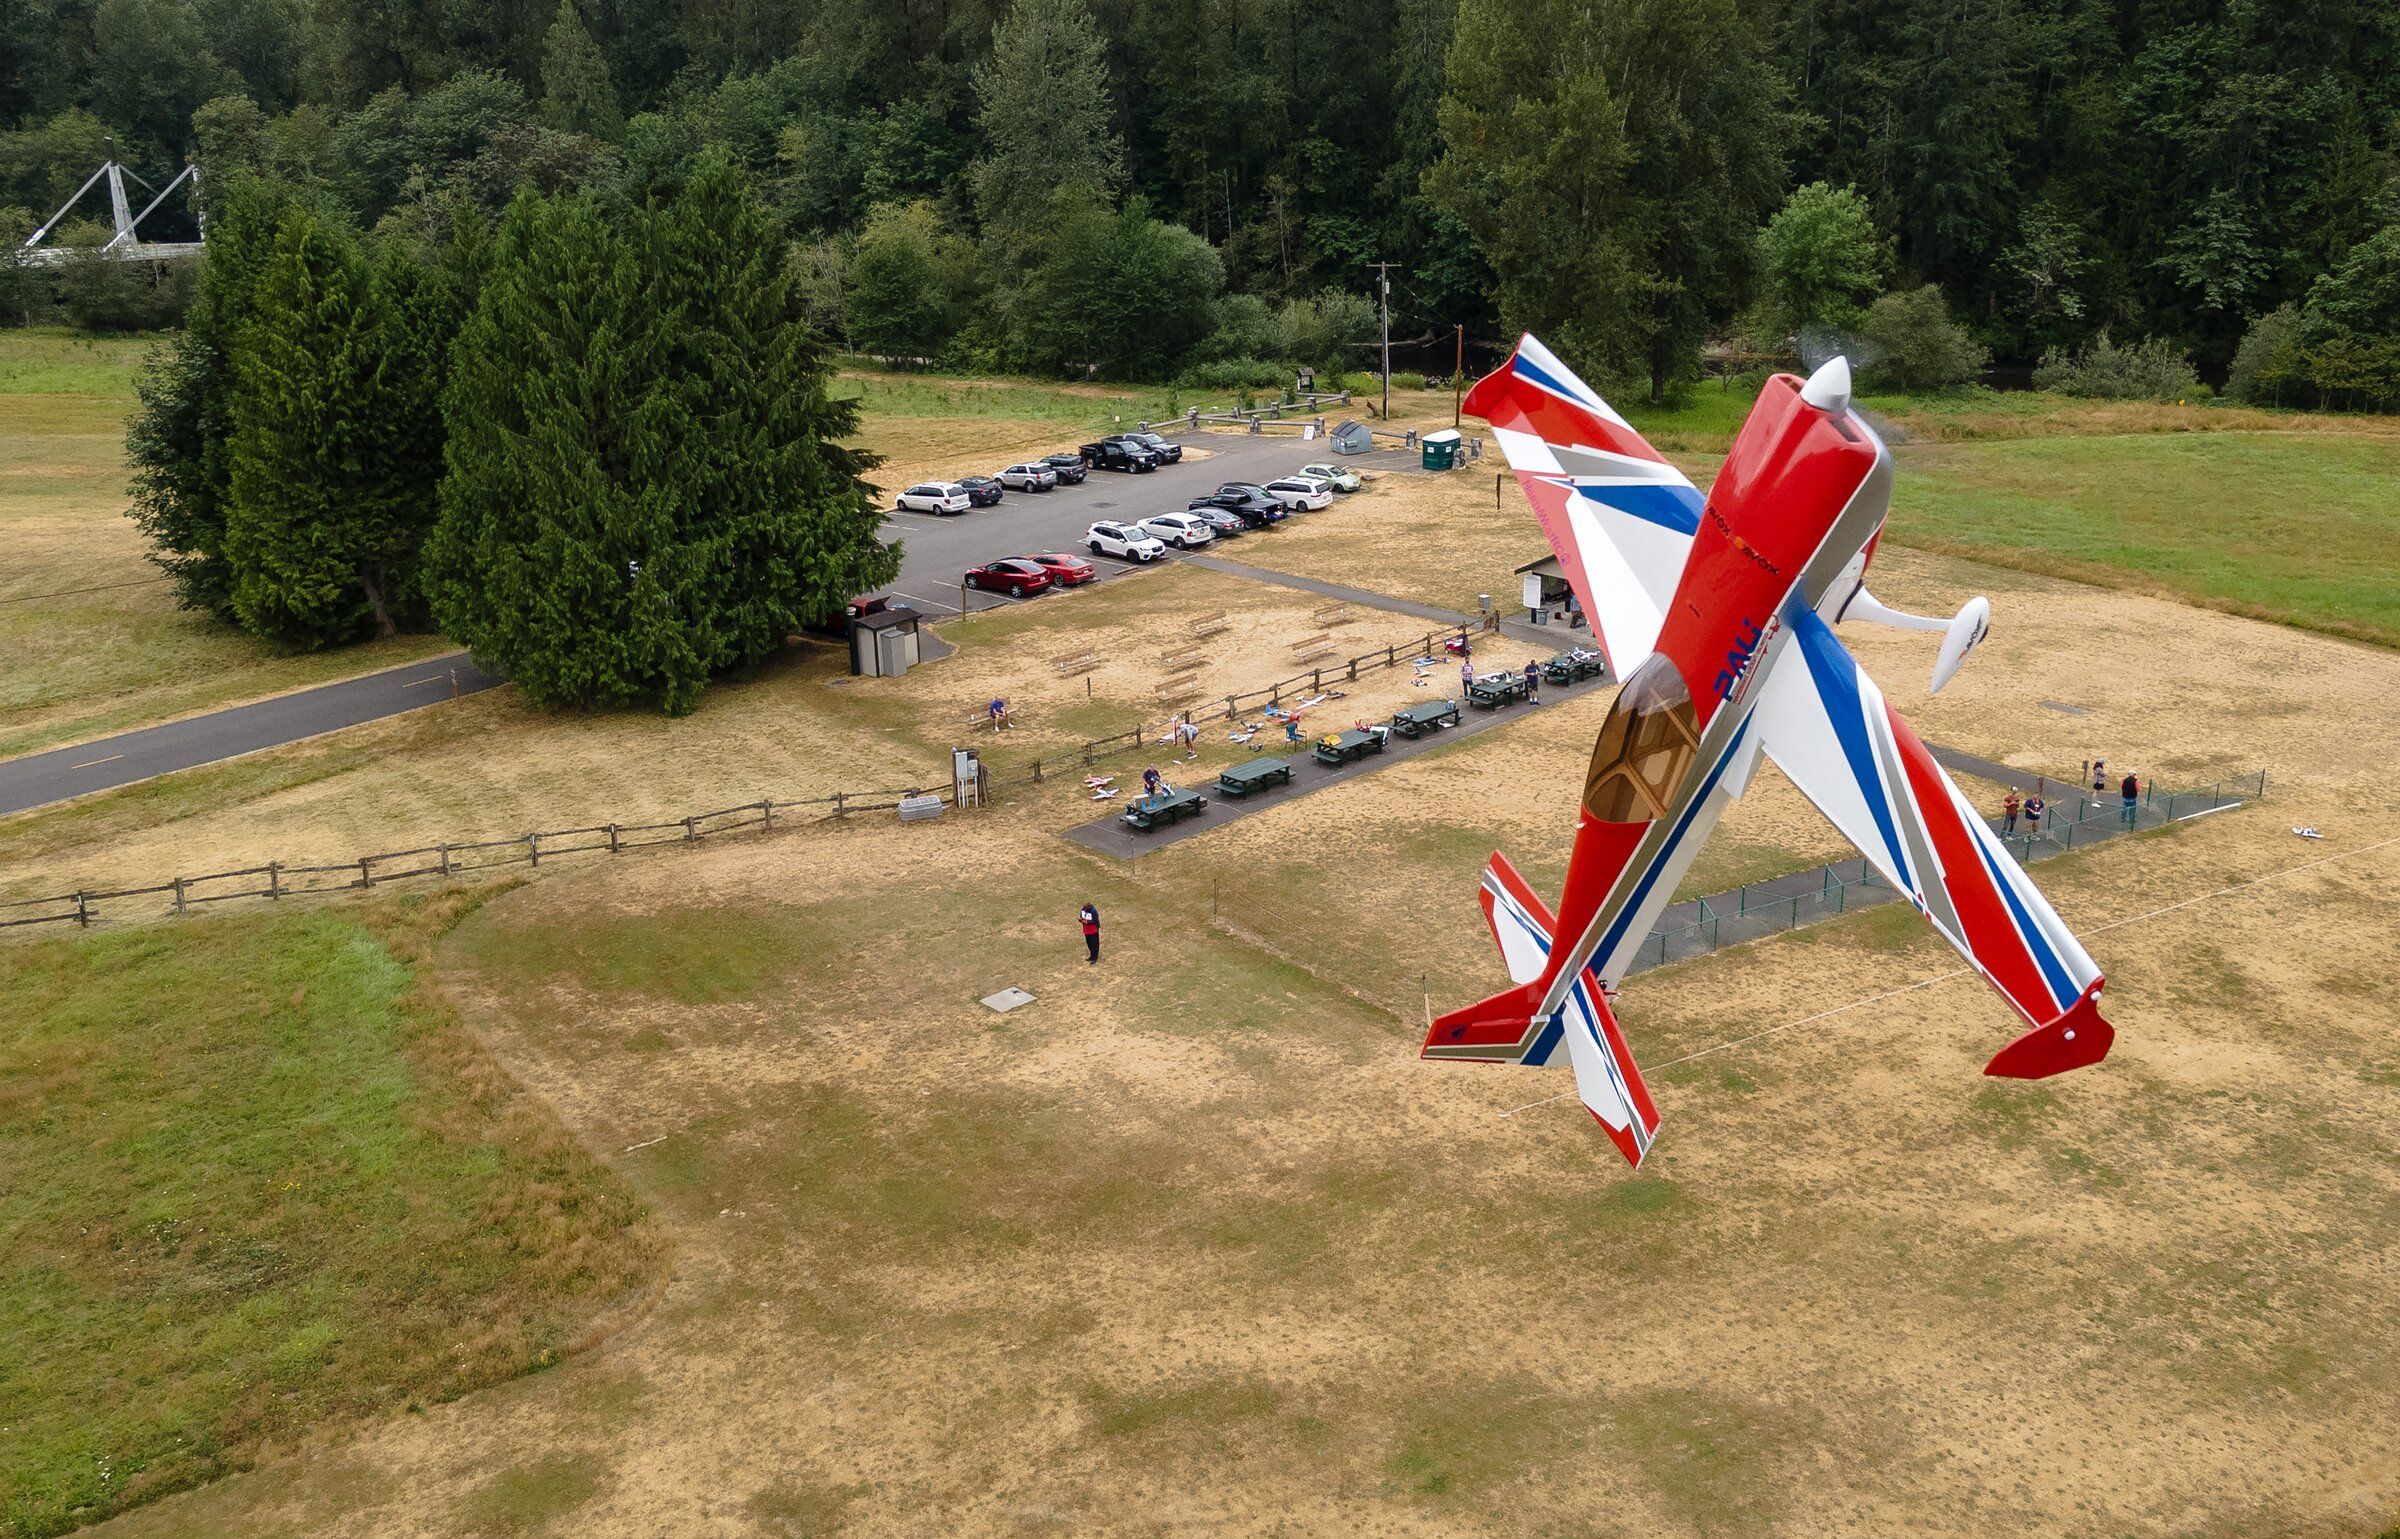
(1091, 932)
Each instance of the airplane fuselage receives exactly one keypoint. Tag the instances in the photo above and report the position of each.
(1801, 498)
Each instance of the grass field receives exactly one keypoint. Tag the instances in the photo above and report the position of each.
(1197, 1243)
(262, 1188)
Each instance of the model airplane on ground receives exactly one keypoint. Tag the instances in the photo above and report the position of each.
(1718, 616)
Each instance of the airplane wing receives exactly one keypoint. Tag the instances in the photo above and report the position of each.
(1619, 518)
(1826, 725)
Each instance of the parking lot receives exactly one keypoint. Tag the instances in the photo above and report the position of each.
(937, 550)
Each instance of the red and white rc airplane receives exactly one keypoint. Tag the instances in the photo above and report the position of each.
(1718, 616)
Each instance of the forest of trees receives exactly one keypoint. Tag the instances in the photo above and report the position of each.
(1151, 185)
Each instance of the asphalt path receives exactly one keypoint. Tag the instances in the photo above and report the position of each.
(935, 554)
(61, 773)
(937, 550)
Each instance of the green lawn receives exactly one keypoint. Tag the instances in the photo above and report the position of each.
(260, 1184)
(2293, 527)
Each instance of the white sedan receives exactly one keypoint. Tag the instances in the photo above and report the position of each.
(1301, 493)
(1184, 531)
(936, 497)
(1125, 541)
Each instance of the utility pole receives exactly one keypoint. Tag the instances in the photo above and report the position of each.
(1458, 377)
(1383, 283)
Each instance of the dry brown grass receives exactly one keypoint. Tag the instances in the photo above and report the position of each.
(1190, 1241)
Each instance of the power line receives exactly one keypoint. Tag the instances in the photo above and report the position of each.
(138, 582)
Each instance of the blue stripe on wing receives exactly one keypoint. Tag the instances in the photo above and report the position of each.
(1529, 370)
(1668, 506)
(1835, 673)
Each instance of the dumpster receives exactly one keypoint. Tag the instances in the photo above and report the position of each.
(1440, 449)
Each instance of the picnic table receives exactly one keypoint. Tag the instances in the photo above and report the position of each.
(1168, 805)
(1256, 775)
(1494, 690)
(1425, 716)
(1574, 663)
(1342, 747)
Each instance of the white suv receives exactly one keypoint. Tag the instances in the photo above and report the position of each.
(1123, 540)
(1181, 530)
(936, 497)
(1029, 478)
(1302, 493)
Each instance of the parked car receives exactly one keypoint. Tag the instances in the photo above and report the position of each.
(1302, 493)
(1119, 454)
(1125, 540)
(1255, 507)
(1226, 525)
(1184, 531)
(1340, 478)
(1169, 452)
(1070, 467)
(936, 497)
(1066, 571)
(982, 491)
(1034, 477)
(1012, 575)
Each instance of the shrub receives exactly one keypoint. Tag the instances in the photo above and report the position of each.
(1912, 344)
(2267, 366)
(1237, 373)
(1820, 259)
(2153, 369)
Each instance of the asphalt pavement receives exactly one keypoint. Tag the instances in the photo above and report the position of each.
(130, 756)
(935, 554)
(936, 550)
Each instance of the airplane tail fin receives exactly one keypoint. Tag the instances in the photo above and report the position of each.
(1510, 1026)
(2077, 1039)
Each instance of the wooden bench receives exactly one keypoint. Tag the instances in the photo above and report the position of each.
(1073, 663)
(1309, 648)
(1165, 807)
(1332, 614)
(1209, 625)
(1179, 690)
(1182, 659)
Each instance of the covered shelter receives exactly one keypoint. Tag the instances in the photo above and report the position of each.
(1548, 598)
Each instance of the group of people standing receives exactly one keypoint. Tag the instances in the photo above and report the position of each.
(2032, 808)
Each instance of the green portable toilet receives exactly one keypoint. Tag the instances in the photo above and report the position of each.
(1441, 449)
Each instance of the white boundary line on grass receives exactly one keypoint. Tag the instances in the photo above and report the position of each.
(1966, 972)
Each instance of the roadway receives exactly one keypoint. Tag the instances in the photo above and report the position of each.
(935, 553)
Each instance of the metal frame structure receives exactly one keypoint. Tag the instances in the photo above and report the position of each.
(125, 245)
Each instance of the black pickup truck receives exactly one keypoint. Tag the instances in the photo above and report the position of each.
(1117, 454)
(1169, 452)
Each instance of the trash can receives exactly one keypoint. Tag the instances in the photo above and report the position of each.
(1441, 449)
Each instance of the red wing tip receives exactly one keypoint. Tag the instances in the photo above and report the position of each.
(2076, 1040)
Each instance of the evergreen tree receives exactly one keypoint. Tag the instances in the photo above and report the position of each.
(644, 482)
(179, 441)
(1614, 163)
(577, 95)
(323, 517)
(1043, 106)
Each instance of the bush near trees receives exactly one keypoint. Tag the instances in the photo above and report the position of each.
(1820, 259)
(1909, 342)
(2153, 369)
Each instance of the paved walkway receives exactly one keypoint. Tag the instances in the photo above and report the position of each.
(61, 773)
(1552, 638)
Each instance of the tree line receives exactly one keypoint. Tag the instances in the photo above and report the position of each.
(597, 446)
(1091, 183)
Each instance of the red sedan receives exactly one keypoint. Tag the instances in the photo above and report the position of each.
(1014, 576)
(1066, 571)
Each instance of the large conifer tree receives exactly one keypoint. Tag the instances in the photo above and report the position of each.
(323, 516)
(643, 483)
(179, 443)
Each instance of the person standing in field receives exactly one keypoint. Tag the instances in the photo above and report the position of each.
(1466, 673)
(2034, 808)
(1533, 682)
(1091, 933)
(2008, 812)
(2130, 790)
(1189, 735)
